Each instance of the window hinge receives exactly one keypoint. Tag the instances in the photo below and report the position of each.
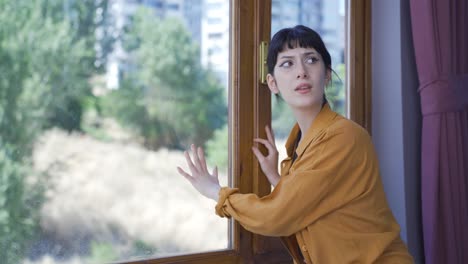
(263, 61)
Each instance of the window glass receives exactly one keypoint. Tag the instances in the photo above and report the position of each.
(328, 19)
(98, 101)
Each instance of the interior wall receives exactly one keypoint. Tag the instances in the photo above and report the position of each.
(396, 116)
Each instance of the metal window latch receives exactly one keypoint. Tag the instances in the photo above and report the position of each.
(263, 62)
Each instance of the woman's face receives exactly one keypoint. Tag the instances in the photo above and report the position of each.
(300, 77)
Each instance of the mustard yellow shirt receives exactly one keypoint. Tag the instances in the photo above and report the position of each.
(331, 197)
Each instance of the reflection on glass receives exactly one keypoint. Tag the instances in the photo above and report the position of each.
(98, 100)
(327, 17)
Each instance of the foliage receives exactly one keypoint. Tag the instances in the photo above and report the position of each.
(60, 87)
(141, 248)
(73, 61)
(126, 104)
(48, 60)
(217, 148)
(335, 92)
(176, 101)
(45, 61)
(282, 117)
(89, 22)
(102, 252)
(18, 218)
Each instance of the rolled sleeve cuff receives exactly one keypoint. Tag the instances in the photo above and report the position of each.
(221, 205)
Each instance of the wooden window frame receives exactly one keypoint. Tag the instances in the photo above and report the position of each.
(359, 64)
(250, 111)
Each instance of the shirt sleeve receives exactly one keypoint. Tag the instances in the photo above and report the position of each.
(329, 174)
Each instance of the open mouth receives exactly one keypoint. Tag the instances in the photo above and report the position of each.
(303, 88)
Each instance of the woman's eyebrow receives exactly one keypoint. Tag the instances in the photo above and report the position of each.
(292, 56)
(309, 53)
(286, 57)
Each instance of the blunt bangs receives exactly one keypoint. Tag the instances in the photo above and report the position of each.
(296, 37)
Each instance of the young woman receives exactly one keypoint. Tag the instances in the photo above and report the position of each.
(328, 197)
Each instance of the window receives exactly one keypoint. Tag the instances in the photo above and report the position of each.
(332, 31)
(216, 5)
(173, 6)
(156, 3)
(214, 20)
(215, 35)
(102, 182)
(249, 111)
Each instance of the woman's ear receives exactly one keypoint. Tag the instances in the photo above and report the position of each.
(272, 84)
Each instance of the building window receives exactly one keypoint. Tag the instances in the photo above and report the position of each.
(173, 6)
(81, 178)
(214, 36)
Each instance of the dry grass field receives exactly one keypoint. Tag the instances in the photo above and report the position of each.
(111, 199)
(115, 194)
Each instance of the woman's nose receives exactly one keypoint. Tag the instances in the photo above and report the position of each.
(301, 72)
(302, 75)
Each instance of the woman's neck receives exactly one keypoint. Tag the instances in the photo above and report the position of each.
(305, 118)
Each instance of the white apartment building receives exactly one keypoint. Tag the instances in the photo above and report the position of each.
(324, 16)
(215, 38)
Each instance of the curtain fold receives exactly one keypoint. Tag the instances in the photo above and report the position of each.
(440, 36)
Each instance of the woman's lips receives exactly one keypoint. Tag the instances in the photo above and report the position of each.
(303, 88)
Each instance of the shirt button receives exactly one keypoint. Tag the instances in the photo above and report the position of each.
(304, 248)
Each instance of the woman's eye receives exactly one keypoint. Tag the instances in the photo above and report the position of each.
(311, 60)
(286, 64)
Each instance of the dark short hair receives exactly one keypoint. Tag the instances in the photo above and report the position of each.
(298, 36)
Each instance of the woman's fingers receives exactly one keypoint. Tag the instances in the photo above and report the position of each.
(215, 173)
(258, 154)
(197, 163)
(192, 167)
(204, 182)
(263, 141)
(196, 158)
(271, 148)
(201, 155)
(185, 174)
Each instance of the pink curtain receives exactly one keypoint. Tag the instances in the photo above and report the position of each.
(440, 34)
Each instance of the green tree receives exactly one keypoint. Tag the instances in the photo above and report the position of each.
(182, 101)
(19, 212)
(22, 108)
(217, 148)
(89, 40)
(53, 46)
(43, 67)
(282, 117)
(336, 92)
(63, 84)
(90, 22)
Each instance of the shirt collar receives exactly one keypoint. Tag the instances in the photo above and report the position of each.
(322, 120)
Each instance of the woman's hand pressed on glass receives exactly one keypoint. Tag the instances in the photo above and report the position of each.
(205, 183)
